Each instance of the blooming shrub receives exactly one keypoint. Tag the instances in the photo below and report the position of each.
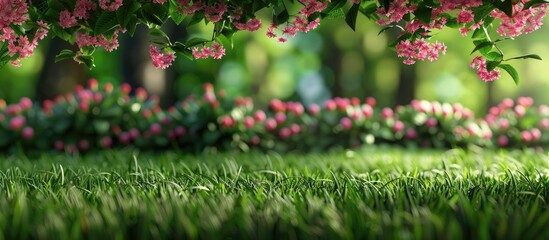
(104, 117)
(432, 124)
(91, 24)
(519, 124)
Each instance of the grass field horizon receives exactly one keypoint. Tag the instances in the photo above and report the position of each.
(367, 193)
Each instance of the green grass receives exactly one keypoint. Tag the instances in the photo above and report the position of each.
(371, 193)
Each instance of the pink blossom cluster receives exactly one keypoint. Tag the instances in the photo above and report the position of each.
(397, 10)
(419, 49)
(110, 5)
(15, 12)
(68, 19)
(479, 63)
(523, 20)
(300, 22)
(159, 58)
(252, 25)
(215, 51)
(213, 12)
(84, 39)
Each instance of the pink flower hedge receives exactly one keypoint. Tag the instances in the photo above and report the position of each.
(105, 117)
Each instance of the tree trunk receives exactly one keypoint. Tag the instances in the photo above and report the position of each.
(406, 90)
(61, 77)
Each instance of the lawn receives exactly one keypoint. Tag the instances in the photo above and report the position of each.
(368, 193)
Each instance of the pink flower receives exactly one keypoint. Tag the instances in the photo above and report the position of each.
(295, 128)
(371, 101)
(155, 129)
(259, 116)
(83, 106)
(398, 126)
(28, 133)
(277, 106)
(431, 123)
(17, 123)
(544, 123)
(284, 133)
(270, 124)
(280, 118)
(536, 134)
(386, 113)
(526, 136)
(106, 142)
(479, 63)
(507, 103)
(411, 133)
(255, 140)
(503, 141)
(25, 104)
(249, 122)
(161, 59)
(215, 51)
(83, 145)
(367, 111)
(125, 138)
(346, 123)
(520, 110)
(227, 121)
(314, 109)
(503, 124)
(125, 88)
(330, 105)
(465, 16)
(59, 145)
(66, 19)
(296, 108)
(134, 133)
(525, 101)
(180, 131)
(113, 6)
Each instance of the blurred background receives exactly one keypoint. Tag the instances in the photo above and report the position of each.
(328, 62)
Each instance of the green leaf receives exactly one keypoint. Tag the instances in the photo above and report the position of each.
(106, 22)
(129, 8)
(281, 17)
(175, 15)
(527, 56)
(423, 13)
(535, 3)
(336, 14)
(87, 60)
(386, 4)
(334, 5)
(494, 56)
(155, 13)
(352, 14)
(158, 33)
(511, 71)
(482, 45)
(505, 6)
(482, 12)
(491, 65)
(65, 54)
(196, 41)
(180, 48)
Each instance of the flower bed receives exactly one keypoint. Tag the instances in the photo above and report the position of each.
(106, 117)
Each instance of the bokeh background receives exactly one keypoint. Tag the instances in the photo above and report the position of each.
(330, 61)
